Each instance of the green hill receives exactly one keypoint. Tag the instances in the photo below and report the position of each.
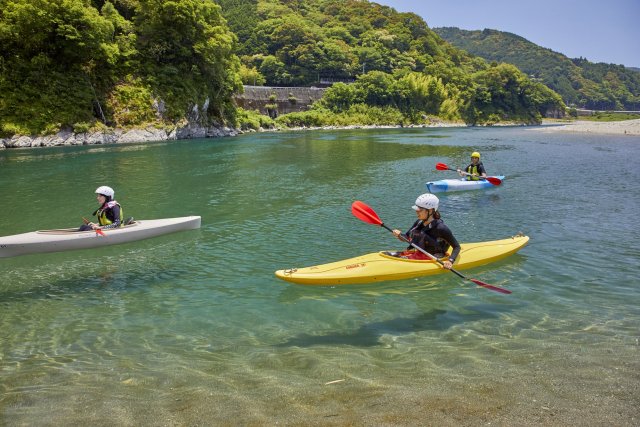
(581, 83)
(83, 64)
(394, 58)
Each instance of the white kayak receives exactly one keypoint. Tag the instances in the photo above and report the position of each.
(459, 184)
(70, 239)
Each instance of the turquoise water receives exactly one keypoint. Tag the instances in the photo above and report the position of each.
(194, 329)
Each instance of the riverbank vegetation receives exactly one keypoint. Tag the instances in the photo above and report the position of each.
(75, 63)
(83, 64)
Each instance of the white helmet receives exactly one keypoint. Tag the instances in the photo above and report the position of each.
(107, 191)
(426, 201)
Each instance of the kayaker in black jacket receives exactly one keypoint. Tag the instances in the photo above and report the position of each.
(430, 232)
(109, 213)
(475, 170)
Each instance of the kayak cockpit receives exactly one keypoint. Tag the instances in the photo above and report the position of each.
(407, 255)
(63, 231)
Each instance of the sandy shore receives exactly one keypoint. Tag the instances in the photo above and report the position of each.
(625, 127)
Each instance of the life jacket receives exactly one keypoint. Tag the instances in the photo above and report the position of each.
(420, 234)
(105, 213)
(473, 169)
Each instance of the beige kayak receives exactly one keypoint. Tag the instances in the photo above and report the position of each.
(70, 239)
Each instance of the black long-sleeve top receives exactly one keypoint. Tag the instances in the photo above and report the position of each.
(434, 238)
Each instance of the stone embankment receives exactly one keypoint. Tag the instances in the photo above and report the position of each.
(275, 101)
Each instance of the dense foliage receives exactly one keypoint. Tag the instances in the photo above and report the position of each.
(121, 62)
(580, 83)
(395, 61)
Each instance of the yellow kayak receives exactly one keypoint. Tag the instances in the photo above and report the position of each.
(380, 266)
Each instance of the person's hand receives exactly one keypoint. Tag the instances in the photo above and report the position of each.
(397, 233)
(447, 264)
(94, 226)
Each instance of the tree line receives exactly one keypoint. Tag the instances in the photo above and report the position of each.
(116, 63)
(90, 63)
(399, 64)
(580, 83)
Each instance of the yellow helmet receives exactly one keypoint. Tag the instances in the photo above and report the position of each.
(475, 154)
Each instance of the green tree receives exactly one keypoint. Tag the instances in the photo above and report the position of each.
(419, 93)
(503, 92)
(375, 88)
(54, 53)
(340, 96)
(187, 55)
(274, 71)
(251, 76)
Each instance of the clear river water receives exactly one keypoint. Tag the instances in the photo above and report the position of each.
(193, 328)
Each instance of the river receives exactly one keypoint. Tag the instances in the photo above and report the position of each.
(193, 328)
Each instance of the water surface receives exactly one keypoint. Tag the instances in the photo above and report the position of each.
(193, 328)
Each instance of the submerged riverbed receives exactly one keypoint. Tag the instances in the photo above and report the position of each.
(193, 328)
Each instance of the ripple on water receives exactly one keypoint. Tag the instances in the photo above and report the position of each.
(194, 326)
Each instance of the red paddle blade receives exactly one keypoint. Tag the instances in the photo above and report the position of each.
(442, 167)
(99, 232)
(488, 286)
(494, 181)
(364, 213)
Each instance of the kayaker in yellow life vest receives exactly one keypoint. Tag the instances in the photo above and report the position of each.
(475, 170)
(109, 213)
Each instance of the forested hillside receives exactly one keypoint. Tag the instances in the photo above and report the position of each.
(397, 62)
(580, 83)
(83, 64)
(119, 63)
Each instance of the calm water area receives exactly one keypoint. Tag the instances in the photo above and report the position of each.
(193, 328)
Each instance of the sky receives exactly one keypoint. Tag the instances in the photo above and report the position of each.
(598, 30)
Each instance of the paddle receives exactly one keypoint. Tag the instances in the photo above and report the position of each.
(364, 213)
(97, 230)
(491, 179)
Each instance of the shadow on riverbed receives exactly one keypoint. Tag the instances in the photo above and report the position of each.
(369, 335)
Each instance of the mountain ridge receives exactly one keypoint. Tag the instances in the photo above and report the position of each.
(581, 83)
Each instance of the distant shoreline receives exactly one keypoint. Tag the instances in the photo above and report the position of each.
(624, 127)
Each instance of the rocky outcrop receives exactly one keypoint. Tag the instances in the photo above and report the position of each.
(117, 136)
(198, 125)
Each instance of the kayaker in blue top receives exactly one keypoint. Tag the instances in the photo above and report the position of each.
(109, 213)
(430, 233)
(475, 168)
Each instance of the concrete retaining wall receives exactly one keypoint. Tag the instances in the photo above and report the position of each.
(287, 99)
